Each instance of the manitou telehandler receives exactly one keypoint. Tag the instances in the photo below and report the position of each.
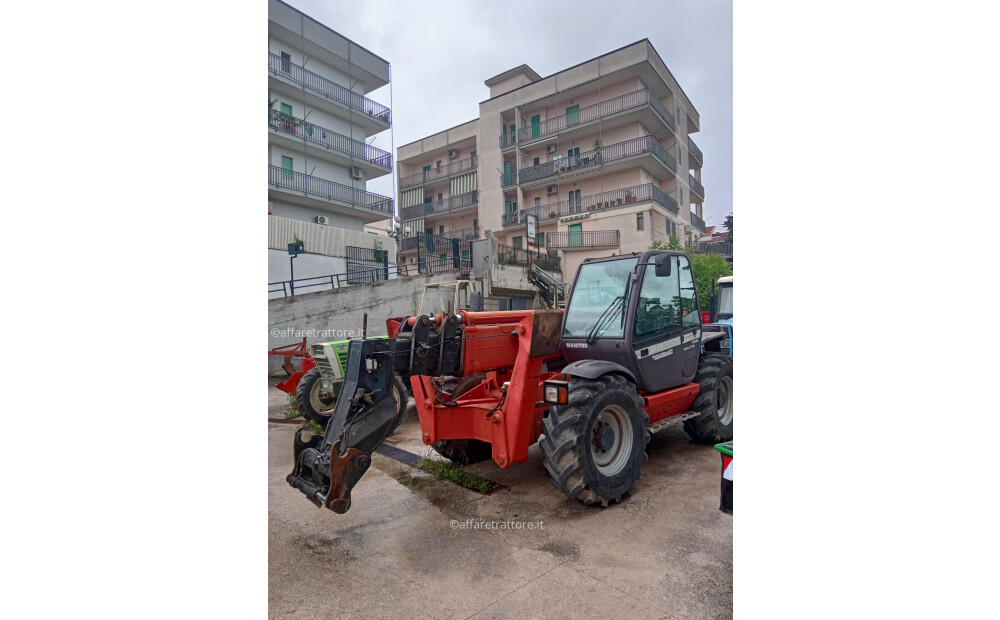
(625, 359)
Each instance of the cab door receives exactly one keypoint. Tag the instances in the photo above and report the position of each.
(666, 333)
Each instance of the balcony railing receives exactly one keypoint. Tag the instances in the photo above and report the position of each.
(696, 186)
(625, 102)
(439, 172)
(465, 234)
(508, 139)
(714, 247)
(507, 255)
(333, 141)
(508, 179)
(453, 203)
(321, 188)
(595, 202)
(695, 151)
(697, 222)
(330, 90)
(584, 239)
(595, 158)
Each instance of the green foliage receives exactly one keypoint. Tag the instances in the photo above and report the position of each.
(729, 227)
(707, 269)
(673, 243)
(290, 410)
(315, 427)
(380, 254)
(454, 473)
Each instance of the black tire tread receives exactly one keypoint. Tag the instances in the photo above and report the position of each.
(705, 427)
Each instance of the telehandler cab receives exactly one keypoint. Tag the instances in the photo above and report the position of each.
(625, 359)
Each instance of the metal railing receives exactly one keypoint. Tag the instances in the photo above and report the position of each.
(508, 178)
(595, 202)
(338, 280)
(452, 203)
(712, 247)
(507, 255)
(332, 140)
(584, 239)
(508, 139)
(439, 172)
(696, 186)
(598, 157)
(465, 234)
(697, 222)
(695, 151)
(335, 192)
(624, 102)
(330, 90)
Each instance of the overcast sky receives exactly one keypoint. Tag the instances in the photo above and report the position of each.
(442, 51)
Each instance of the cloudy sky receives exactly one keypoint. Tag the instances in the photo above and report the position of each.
(442, 51)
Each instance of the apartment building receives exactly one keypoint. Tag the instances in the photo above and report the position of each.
(319, 124)
(600, 152)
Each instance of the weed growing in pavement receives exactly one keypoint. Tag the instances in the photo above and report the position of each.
(454, 473)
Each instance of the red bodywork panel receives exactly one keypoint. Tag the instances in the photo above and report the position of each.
(500, 344)
(289, 384)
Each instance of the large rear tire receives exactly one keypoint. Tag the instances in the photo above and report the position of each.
(595, 444)
(317, 406)
(402, 400)
(464, 451)
(714, 401)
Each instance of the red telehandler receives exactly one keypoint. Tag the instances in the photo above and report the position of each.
(625, 359)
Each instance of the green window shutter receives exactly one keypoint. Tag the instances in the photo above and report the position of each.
(513, 132)
(576, 234)
(427, 168)
(286, 167)
(536, 125)
(638, 221)
(541, 239)
(506, 206)
(518, 243)
(573, 115)
(286, 110)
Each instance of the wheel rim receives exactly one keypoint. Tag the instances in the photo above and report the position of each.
(399, 398)
(320, 405)
(611, 440)
(724, 400)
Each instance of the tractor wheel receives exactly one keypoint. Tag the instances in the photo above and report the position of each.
(402, 400)
(714, 401)
(464, 451)
(594, 445)
(311, 404)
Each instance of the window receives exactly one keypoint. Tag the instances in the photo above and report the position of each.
(536, 125)
(574, 201)
(540, 237)
(286, 62)
(575, 236)
(537, 160)
(518, 243)
(513, 133)
(506, 206)
(599, 286)
(573, 115)
(473, 155)
(428, 200)
(689, 303)
(441, 230)
(514, 205)
(286, 111)
(538, 199)
(659, 302)
(638, 221)
(286, 167)
(440, 196)
(443, 258)
(439, 164)
(573, 152)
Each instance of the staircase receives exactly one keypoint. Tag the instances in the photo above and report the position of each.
(551, 290)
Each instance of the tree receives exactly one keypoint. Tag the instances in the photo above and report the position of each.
(707, 268)
(673, 243)
(729, 227)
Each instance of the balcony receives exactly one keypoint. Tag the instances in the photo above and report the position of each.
(696, 187)
(632, 103)
(453, 204)
(342, 149)
(697, 159)
(358, 202)
(584, 240)
(614, 199)
(725, 248)
(600, 159)
(508, 179)
(439, 173)
(697, 222)
(317, 85)
(463, 234)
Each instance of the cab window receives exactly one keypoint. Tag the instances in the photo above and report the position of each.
(659, 302)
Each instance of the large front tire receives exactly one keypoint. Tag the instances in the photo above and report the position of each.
(595, 444)
(314, 405)
(714, 401)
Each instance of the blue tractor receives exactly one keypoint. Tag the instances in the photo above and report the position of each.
(720, 318)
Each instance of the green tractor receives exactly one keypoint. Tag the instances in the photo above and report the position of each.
(317, 391)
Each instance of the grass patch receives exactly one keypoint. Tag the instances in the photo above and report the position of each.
(291, 411)
(454, 473)
(314, 427)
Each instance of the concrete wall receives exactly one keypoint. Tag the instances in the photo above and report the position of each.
(340, 312)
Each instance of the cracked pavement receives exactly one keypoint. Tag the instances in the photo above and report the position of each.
(664, 552)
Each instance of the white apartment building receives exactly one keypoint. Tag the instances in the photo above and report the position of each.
(319, 153)
(600, 152)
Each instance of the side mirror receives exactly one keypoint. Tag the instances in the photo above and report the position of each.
(663, 265)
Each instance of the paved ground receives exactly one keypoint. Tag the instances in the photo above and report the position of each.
(664, 552)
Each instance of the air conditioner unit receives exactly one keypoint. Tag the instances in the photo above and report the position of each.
(550, 148)
(322, 219)
(452, 153)
(488, 233)
(357, 173)
(552, 189)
